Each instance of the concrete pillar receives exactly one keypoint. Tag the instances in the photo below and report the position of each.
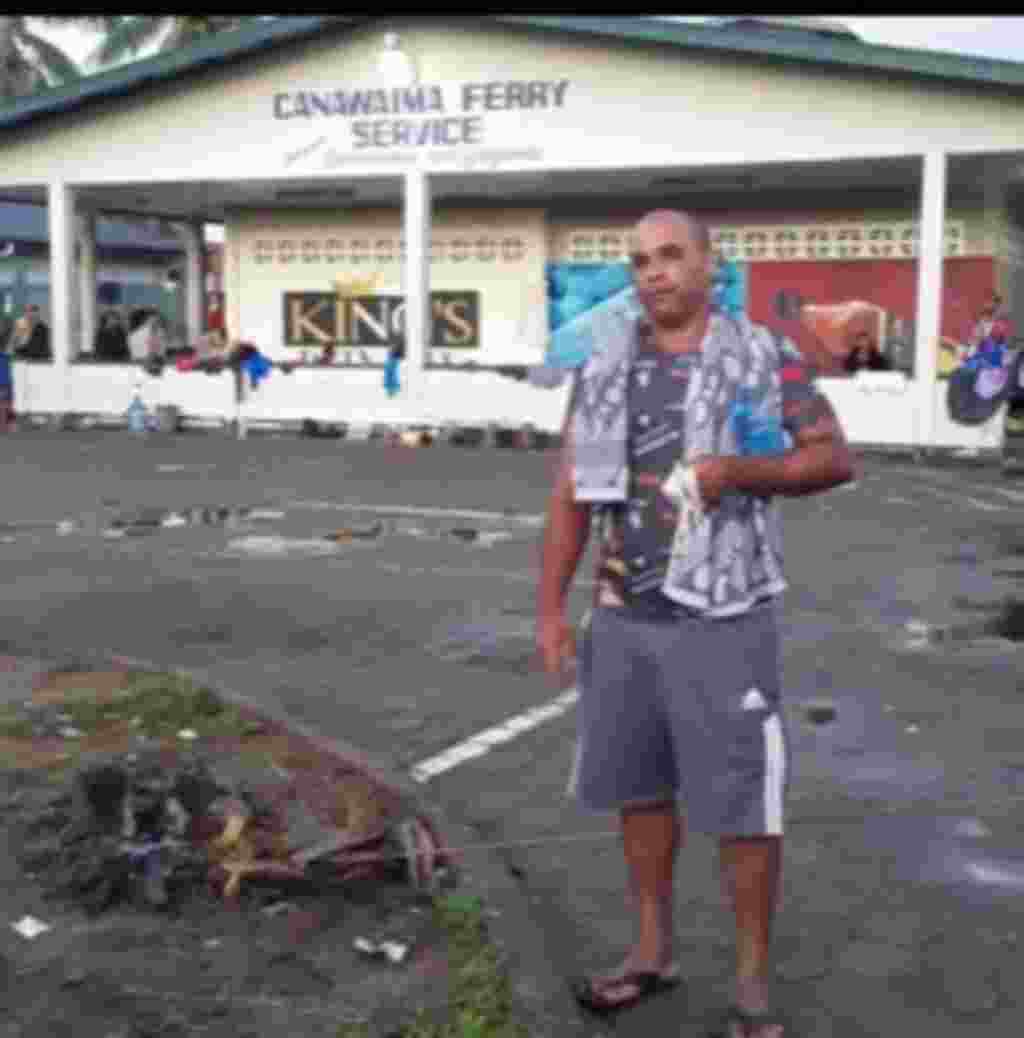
(61, 212)
(86, 281)
(191, 235)
(416, 219)
(929, 291)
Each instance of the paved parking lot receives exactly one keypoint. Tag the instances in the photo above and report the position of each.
(905, 863)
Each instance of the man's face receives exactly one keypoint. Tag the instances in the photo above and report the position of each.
(672, 273)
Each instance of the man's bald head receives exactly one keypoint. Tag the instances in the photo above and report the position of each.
(673, 267)
(697, 231)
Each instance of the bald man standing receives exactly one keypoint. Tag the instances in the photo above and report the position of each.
(679, 672)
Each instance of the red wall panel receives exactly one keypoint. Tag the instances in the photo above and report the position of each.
(968, 283)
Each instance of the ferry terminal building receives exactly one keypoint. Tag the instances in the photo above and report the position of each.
(464, 184)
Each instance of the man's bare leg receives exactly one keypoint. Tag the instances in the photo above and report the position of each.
(750, 870)
(652, 836)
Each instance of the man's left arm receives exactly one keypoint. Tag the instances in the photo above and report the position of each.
(820, 458)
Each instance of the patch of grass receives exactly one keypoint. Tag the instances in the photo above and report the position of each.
(480, 999)
(151, 704)
(14, 725)
(158, 705)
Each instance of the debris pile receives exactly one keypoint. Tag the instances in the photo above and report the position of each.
(136, 829)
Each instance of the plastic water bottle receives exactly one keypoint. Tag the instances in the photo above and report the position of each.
(758, 432)
(137, 412)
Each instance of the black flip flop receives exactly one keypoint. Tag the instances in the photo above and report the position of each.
(749, 1023)
(587, 990)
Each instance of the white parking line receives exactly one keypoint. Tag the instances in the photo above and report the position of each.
(491, 737)
(528, 518)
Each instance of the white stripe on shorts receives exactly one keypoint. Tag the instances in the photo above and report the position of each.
(774, 775)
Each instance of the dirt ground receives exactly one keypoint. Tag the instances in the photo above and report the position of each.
(279, 959)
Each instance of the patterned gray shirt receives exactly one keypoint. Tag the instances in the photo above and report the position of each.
(637, 535)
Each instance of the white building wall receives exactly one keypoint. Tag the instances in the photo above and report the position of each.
(497, 252)
(622, 107)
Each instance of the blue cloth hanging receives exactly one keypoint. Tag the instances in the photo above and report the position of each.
(257, 367)
(391, 382)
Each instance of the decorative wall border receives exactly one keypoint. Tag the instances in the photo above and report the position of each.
(380, 250)
(824, 241)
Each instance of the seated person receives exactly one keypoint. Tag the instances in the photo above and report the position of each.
(865, 356)
(31, 337)
(111, 344)
(147, 338)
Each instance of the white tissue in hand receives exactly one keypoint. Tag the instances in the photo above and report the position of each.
(681, 488)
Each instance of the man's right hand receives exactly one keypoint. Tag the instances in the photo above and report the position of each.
(556, 644)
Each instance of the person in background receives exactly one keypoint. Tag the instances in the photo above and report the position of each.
(148, 336)
(31, 337)
(865, 355)
(6, 390)
(111, 339)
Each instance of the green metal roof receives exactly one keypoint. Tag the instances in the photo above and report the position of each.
(766, 41)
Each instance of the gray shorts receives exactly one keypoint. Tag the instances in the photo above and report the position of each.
(687, 707)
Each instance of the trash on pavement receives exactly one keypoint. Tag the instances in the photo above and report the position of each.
(394, 951)
(391, 950)
(66, 526)
(277, 908)
(30, 928)
(348, 533)
(140, 826)
(820, 711)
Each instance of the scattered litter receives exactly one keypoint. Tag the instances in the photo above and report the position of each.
(174, 519)
(279, 546)
(918, 627)
(918, 643)
(913, 729)
(394, 951)
(889, 708)
(277, 908)
(188, 733)
(112, 535)
(492, 537)
(65, 526)
(268, 514)
(30, 928)
(70, 732)
(212, 942)
(348, 533)
(390, 950)
(820, 711)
